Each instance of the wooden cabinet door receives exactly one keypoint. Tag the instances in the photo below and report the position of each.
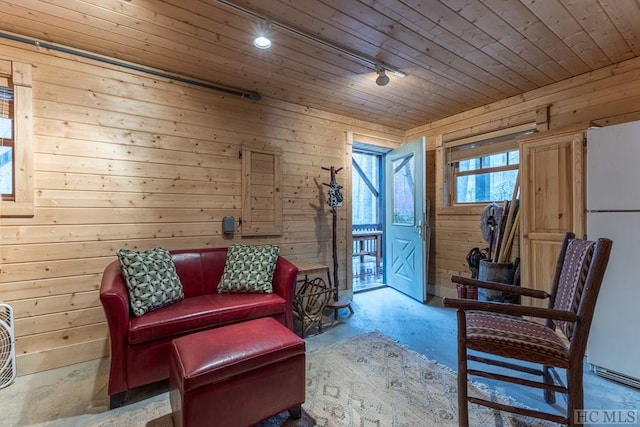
(552, 202)
(261, 193)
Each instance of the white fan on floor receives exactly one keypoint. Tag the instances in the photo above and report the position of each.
(7, 346)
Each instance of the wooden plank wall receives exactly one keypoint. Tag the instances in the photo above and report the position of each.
(126, 160)
(606, 96)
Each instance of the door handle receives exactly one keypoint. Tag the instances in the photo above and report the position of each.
(419, 227)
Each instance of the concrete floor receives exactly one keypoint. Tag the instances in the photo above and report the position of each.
(431, 330)
(76, 395)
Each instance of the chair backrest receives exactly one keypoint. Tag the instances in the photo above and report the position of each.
(577, 280)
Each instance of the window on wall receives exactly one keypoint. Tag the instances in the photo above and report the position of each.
(403, 203)
(16, 140)
(483, 171)
(6, 140)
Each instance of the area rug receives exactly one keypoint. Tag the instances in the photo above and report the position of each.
(365, 381)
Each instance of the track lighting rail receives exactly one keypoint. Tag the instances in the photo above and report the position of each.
(370, 62)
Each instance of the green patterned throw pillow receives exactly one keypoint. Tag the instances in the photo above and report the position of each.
(249, 269)
(151, 279)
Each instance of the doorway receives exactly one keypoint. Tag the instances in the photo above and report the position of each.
(367, 217)
(390, 218)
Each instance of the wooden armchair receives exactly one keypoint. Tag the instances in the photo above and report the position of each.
(500, 329)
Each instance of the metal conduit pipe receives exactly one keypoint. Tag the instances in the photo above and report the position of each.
(254, 96)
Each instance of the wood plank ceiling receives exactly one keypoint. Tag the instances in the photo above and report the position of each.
(458, 54)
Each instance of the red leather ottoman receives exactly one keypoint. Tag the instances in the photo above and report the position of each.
(236, 375)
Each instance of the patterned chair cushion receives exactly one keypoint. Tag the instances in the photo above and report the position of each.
(512, 336)
(249, 269)
(151, 279)
(572, 279)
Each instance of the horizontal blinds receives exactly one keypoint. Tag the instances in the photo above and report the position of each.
(471, 151)
(479, 147)
(6, 101)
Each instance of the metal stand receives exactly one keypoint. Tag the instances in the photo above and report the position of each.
(337, 302)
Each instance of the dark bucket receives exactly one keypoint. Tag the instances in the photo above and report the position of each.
(501, 272)
(468, 292)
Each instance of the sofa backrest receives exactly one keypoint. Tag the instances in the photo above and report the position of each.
(200, 270)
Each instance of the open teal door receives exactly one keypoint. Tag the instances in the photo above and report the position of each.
(406, 227)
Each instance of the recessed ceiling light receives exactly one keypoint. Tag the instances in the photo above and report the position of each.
(261, 42)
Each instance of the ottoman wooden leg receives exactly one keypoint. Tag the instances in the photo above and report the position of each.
(117, 400)
(296, 412)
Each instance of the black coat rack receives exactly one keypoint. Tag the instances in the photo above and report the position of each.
(334, 200)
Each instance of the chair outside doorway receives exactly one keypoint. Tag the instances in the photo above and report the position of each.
(367, 258)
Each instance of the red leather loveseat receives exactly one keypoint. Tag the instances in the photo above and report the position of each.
(140, 346)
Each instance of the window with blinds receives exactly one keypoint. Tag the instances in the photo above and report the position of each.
(6, 140)
(483, 170)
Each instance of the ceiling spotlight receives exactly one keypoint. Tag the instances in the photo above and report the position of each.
(382, 79)
(262, 42)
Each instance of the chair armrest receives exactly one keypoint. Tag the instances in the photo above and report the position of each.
(511, 309)
(466, 281)
(284, 284)
(115, 302)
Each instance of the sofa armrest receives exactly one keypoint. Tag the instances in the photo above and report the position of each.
(115, 302)
(284, 284)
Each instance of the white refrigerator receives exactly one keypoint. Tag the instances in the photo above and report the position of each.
(613, 211)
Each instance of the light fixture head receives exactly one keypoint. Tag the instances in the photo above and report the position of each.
(382, 79)
(262, 42)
